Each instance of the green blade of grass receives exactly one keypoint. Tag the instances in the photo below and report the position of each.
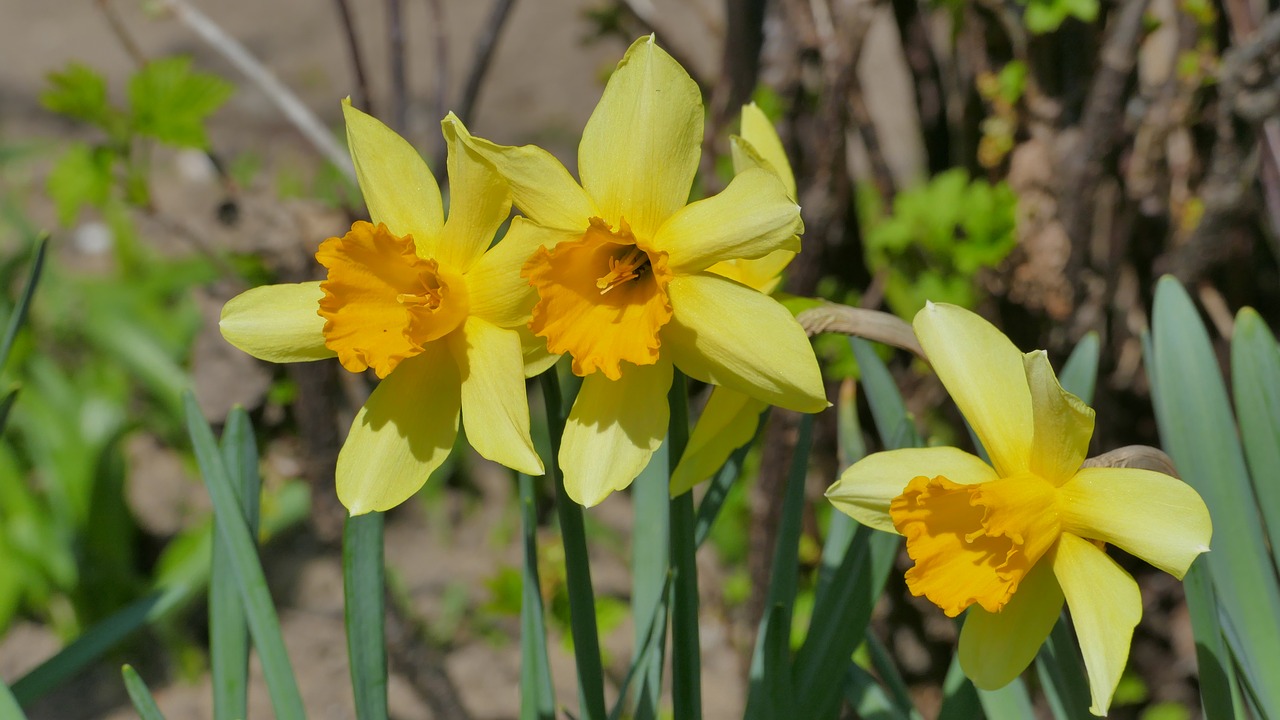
(264, 626)
(770, 692)
(140, 695)
(537, 695)
(20, 310)
(1199, 433)
(686, 654)
(1255, 374)
(582, 604)
(228, 629)
(364, 590)
(650, 555)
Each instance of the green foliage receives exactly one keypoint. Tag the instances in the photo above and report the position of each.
(170, 102)
(81, 176)
(1045, 16)
(80, 93)
(939, 236)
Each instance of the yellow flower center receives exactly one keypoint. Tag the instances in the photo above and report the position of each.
(382, 302)
(974, 543)
(601, 298)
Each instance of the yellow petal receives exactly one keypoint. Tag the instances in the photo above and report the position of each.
(751, 218)
(614, 428)
(728, 422)
(866, 488)
(402, 434)
(640, 149)
(498, 293)
(760, 135)
(984, 374)
(1148, 514)
(763, 274)
(727, 334)
(540, 186)
(495, 409)
(397, 185)
(278, 323)
(1105, 608)
(996, 647)
(1063, 423)
(479, 201)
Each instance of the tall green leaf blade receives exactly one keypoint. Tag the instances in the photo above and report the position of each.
(770, 694)
(264, 626)
(959, 697)
(1062, 675)
(868, 700)
(686, 644)
(537, 695)
(228, 629)
(140, 695)
(718, 491)
(364, 603)
(1219, 684)
(650, 555)
(1255, 374)
(1079, 375)
(1198, 431)
(896, 687)
(9, 708)
(20, 310)
(1011, 702)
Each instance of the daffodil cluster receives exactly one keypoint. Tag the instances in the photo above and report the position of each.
(1010, 541)
(615, 269)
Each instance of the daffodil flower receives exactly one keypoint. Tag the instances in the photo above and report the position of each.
(730, 418)
(1011, 540)
(622, 276)
(423, 301)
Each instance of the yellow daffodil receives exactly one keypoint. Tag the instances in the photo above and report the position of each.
(1011, 540)
(423, 301)
(730, 418)
(622, 277)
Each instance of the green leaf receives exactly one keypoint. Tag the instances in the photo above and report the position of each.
(19, 316)
(9, 708)
(959, 697)
(364, 588)
(718, 489)
(686, 655)
(868, 700)
(882, 661)
(170, 102)
(80, 177)
(537, 695)
(1199, 433)
(1079, 374)
(1255, 373)
(650, 555)
(1219, 684)
(79, 92)
(264, 626)
(1011, 702)
(1060, 667)
(140, 695)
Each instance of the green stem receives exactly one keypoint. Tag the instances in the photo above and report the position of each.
(686, 664)
(582, 604)
(364, 586)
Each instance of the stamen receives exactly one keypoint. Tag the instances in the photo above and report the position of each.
(431, 296)
(631, 266)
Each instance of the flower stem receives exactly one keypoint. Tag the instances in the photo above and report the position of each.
(582, 604)
(686, 665)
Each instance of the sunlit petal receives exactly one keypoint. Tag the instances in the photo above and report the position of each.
(763, 274)
(614, 428)
(866, 488)
(495, 409)
(479, 201)
(751, 218)
(1148, 514)
(540, 186)
(278, 323)
(640, 149)
(402, 434)
(537, 358)
(728, 334)
(764, 148)
(1105, 607)
(397, 185)
(983, 372)
(498, 293)
(728, 422)
(1063, 423)
(996, 647)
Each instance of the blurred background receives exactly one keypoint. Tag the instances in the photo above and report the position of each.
(1040, 161)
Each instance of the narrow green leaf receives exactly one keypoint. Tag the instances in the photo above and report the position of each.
(686, 654)
(1011, 702)
(1255, 374)
(770, 693)
(888, 411)
(1219, 685)
(650, 555)
(264, 626)
(1079, 374)
(228, 629)
(582, 604)
(894, 685)
(20, 310)
(718, 490)
(1199, 433)
(959, 697)
(652, 640)
(6, 405)
(364, 591)
(537, 695)
(9, 708)
(140, 695)
(868, 700)
(1062, 674)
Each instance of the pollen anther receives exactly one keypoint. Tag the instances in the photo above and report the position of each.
(631, 266)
